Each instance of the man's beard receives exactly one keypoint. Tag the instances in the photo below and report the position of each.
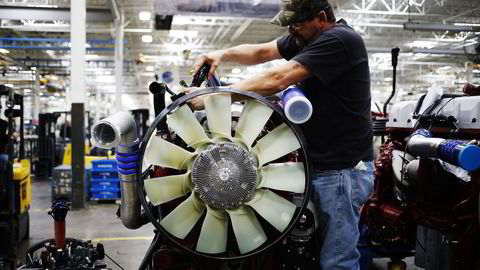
(299, 41)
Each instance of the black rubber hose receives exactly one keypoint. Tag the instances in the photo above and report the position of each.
(158, 90)
(395, 52)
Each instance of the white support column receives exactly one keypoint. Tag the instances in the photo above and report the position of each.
(98, 106)
(36, 98)
(119, 31)
(78, 40)
(78, 15)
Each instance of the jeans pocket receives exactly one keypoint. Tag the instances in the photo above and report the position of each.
(362, 185)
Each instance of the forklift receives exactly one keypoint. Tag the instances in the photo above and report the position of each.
(45, 157)
(15, 180)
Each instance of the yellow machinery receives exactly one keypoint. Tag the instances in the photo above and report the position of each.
(67, 156)
(23, 185)
(15, 181)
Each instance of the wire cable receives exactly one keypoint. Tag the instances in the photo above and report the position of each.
(435, 115)
(114, 261)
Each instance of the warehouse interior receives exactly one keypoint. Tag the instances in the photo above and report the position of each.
(78, 77)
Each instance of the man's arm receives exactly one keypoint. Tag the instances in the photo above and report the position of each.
(247, 54)
(274, 79)
(266, 83)
(252, 54)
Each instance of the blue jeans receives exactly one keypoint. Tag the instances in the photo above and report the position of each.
(338, 196)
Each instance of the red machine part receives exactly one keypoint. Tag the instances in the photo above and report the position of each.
(440, 202)
(59, 229)
(471, 90)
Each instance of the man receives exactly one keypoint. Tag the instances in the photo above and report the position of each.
(329, 62)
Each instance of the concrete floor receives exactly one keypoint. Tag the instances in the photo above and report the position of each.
(99, 223)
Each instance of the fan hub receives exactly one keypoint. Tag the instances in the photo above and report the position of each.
(224, 175)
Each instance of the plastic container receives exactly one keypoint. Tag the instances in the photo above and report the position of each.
(104, 164)
(104, 174)
(296, 106)
(434, 93)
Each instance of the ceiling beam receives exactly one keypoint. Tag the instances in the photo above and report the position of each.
(439, 27)
(114, 9)
(51, 14)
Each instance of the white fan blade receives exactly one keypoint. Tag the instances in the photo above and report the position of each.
(213, 236)
(288, 176)
(219, 116)
(184, 123)
(252, 120)
(273, 208)
(276, 144)
(247, 229)
(181, 220)
(166, 154)
(163, 189)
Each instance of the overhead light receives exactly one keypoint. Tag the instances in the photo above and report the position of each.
(149, 68)
(422, 44)
(183, 33)
(144, 15)
(236, 70)
(4, 51)
(147, 38)
(27, 90)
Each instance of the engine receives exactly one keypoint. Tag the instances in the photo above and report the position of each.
(224, 189)
(426, 195)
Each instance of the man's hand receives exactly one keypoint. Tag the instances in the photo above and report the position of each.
(213, 59)
(196, 103)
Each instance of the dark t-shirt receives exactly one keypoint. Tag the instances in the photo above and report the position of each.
(339, 132)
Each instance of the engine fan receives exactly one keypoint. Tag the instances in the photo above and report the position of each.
(235, 190)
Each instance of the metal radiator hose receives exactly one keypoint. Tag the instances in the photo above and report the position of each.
(120, 131)
(454, 152)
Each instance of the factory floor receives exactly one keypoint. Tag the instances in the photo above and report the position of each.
(98, 222)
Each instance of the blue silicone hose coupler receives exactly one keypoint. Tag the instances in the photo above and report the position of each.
(296, 106)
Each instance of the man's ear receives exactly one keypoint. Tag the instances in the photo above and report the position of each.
(323, 16)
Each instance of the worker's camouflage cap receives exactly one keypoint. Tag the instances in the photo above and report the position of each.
(297, 10)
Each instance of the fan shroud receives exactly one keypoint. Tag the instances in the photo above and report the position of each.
(213, 209)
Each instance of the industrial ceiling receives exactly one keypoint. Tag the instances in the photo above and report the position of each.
(438, 41)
